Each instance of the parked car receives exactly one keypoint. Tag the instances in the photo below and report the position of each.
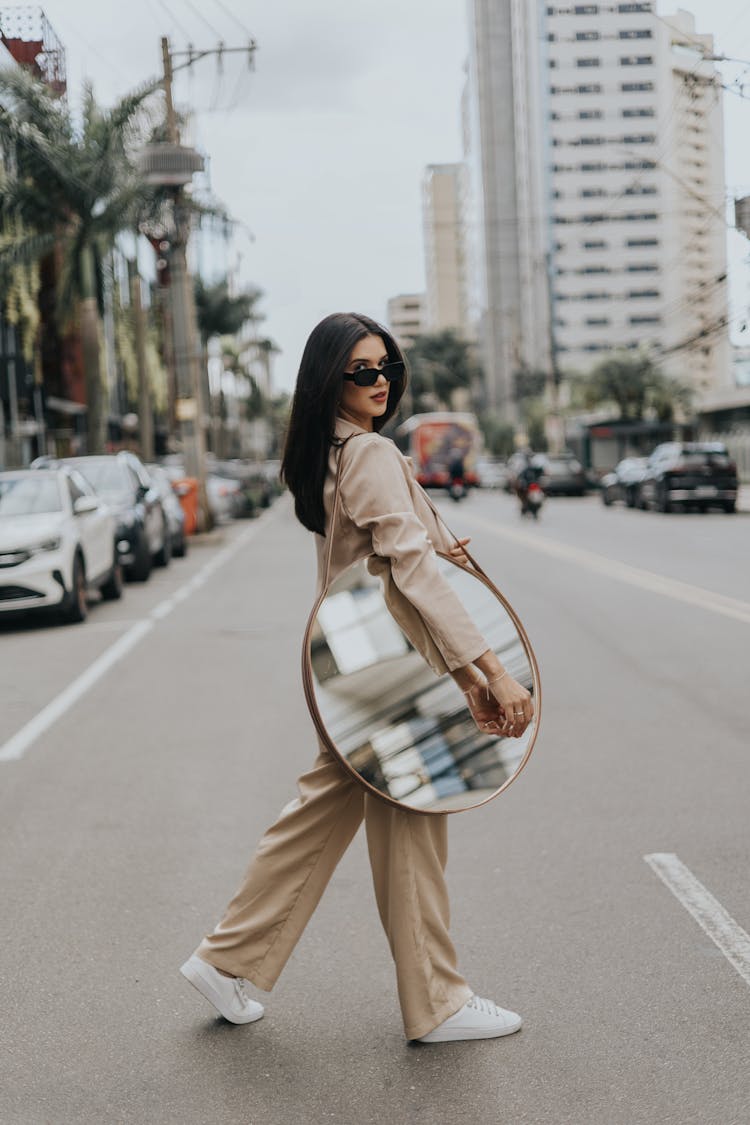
(623, 482)
(562, 475)
(122, 481)
(172, 509)
(687, 474)
(57, 542)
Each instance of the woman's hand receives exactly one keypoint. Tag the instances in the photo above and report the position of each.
(484, 708)
(515, 703)
(457, 552)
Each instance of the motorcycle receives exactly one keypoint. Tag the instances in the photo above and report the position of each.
(457, 490)
(531, 499)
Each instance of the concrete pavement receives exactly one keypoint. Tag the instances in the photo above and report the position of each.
(125, 828)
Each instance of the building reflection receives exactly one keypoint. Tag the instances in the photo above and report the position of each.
(402, 728)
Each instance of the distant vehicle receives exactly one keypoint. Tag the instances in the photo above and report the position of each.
(562, 474)
(57, 542)
(123, 481)
(687, 474)
(623, 482)
(437, 442)
(172, 510)
(491, 473)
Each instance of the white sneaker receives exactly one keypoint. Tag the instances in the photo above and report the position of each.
(478, 1019)
(227, 994)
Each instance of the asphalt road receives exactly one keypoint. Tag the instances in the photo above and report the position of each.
(127, 819)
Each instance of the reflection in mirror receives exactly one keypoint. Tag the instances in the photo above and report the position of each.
(400, 727)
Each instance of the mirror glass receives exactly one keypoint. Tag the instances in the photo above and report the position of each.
(401, 728)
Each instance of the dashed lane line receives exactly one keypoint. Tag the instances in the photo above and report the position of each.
(19, 743)
(708, 912)
(633, 575)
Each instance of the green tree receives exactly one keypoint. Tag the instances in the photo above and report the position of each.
(440, 363)
(73, 188)
(636, 388)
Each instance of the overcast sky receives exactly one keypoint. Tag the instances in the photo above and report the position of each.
(320, 151)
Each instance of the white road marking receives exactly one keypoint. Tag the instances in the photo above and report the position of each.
(19, 743)
(708, 912)
(623, 572)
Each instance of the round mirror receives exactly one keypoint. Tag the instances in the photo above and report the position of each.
(402, 730)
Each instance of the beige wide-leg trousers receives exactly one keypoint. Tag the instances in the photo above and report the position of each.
(292, 866)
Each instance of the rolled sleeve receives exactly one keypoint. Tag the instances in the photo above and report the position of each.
(375, 496)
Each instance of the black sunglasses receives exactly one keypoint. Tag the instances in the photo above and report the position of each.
(368, 376)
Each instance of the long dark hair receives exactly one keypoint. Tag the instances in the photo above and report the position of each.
(317, 394)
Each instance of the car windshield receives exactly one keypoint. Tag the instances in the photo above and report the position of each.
(105, 477)
(29, 496)
(703, 457)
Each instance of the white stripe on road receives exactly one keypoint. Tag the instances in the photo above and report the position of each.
(710, 915)
(19, 743)
(633, 575)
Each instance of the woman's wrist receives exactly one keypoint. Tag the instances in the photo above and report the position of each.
(489, 665)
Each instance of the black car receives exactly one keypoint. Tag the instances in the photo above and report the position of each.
(561, 474)
(624, 481)
(684, 474)
(123, 481)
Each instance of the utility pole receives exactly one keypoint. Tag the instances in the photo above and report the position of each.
(145, 417)
(172, 165)
(553, 420)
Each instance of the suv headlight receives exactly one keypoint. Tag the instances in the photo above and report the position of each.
(46, 545)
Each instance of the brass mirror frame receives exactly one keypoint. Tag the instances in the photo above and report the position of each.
(312, 703)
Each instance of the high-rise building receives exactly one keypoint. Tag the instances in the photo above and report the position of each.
(503, 129)
(594, 141)
(637, 185)
(406, 317)
(445, 257)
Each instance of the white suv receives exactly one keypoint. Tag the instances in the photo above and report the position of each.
(57, 541)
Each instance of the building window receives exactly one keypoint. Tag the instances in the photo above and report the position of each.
(596, 347)
(594, 218)
(598, 244)
(552, 63)
(636, 60)
(644, 320)
(599, 167)
(638, 165)
(589, 114)
(635, 87)
(592, 88)
(586, 10)
(639, 113)
(639, 139)
(640, 217)
(644, 267)
(592, 193)
(598, 321)
(636, 34)
(642, 189)
(642, 7)
(586, 35)
(591, 140)
(588, 62)
(643, 294)
(595, 296)
(593, 269)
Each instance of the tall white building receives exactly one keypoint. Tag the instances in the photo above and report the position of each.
(406, 317)
(443, 190)
(503, 126)
(638, 224)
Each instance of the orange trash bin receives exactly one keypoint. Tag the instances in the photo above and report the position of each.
(187, 493)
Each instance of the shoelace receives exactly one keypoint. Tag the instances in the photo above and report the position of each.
(239, 988)
(485, 1006)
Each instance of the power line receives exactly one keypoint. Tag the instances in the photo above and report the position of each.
(196, 11)
(230, 13)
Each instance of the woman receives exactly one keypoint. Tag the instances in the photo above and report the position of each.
(350, 381)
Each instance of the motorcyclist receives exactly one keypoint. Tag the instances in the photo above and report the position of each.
(528, 474)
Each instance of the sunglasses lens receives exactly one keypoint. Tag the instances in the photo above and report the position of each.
(366, 378)
(369, 376)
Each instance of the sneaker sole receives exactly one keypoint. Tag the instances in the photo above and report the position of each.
(208, 992)
(455, 1036)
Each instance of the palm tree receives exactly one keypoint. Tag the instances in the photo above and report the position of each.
(71, 189)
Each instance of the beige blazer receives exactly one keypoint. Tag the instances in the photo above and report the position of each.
(385, 517)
